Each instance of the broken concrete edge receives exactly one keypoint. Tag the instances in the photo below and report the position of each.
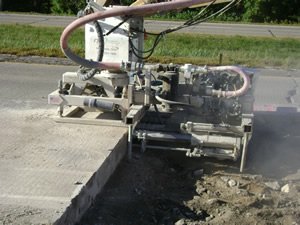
(81, 202)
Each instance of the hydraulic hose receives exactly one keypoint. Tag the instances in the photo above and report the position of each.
(126, 11)
(236, 93)
(82, 75)
(162, 100)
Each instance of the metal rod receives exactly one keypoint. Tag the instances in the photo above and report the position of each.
(244, 152)
(147, 86)
(220, 59)
(163, 148)
(129, 146)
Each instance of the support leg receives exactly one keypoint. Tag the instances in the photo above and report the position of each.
(244, 152)
(129, 147)
(60, 110)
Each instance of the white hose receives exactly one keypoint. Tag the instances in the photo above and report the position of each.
(162, 100)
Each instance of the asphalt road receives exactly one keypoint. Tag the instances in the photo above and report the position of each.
(204, 28)
(275, 90)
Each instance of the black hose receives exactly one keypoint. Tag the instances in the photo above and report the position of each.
(81, 73)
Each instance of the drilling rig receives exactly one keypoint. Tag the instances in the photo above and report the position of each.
(201, 110)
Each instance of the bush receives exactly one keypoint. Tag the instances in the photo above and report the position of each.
(273, 11)
(261, 11)
(67, 6)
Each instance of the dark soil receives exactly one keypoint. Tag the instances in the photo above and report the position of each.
(161, 187)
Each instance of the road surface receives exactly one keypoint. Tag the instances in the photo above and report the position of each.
(49, 172)
(204, 28)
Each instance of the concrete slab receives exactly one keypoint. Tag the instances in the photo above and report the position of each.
(277, 91)
(49, 172)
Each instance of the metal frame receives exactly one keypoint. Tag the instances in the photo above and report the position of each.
(120, 93)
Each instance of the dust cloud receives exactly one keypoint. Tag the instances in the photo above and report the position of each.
(274, 150)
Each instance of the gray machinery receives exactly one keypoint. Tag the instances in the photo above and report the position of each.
(202, 110)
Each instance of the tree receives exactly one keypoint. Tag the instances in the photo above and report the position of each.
(67, 6)
(272, 11)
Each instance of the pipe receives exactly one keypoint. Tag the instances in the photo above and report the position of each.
(244, 152)
(97, 103)
(236, 93)
(170, 102)
(135, 10)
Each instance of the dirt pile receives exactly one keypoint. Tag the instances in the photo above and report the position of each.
(164, 188)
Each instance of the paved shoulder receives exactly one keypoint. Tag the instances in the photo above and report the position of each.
(36, 19)
(228, 29)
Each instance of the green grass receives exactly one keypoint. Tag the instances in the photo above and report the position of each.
(248, 51)
(23, 40)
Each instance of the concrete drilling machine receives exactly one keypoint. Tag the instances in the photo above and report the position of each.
(202, 110)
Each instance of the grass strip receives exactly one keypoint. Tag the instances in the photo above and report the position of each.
(236, 50)
(24, 40)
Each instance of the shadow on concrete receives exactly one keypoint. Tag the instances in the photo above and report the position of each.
(274, 150)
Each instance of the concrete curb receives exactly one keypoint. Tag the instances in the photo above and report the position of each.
(93, 187)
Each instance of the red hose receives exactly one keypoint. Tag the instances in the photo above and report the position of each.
(134, 10)
(238, 92)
